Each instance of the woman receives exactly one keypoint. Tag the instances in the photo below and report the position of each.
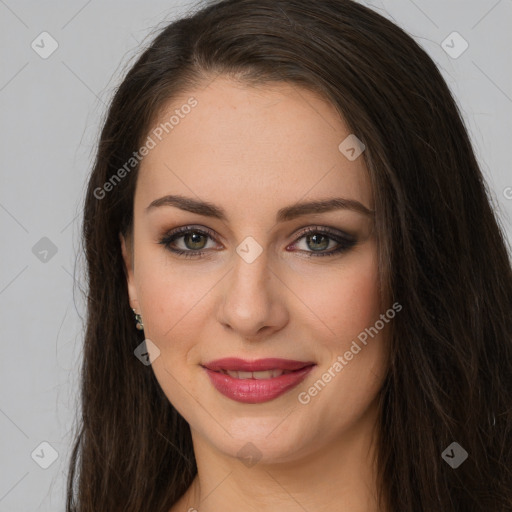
(299, 295)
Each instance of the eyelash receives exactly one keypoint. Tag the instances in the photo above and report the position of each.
(345, 243)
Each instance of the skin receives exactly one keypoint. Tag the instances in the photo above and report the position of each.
(253, 151)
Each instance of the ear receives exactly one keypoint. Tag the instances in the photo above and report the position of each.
(127, 251)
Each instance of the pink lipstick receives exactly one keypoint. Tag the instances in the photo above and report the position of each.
(254, 382)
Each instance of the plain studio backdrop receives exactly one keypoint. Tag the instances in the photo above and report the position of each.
(60, 64)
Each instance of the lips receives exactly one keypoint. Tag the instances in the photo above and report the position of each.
(258, 381)
(235, 364)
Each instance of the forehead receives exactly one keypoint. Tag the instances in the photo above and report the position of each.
(251, 146)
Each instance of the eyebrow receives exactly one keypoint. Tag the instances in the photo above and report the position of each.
(284, 214)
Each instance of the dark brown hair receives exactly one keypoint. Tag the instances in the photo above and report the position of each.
(442, 256)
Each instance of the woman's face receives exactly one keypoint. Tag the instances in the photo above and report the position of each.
(263, 288)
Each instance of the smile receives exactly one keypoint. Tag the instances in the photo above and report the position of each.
(254, 382)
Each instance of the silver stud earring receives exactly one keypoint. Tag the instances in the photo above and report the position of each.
(139, 325)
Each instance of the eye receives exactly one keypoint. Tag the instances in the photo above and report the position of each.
(318, 239)
(194, 241)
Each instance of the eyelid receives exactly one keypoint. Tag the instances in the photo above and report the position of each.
(326, 230)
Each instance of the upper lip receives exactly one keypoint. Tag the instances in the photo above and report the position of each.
(237, 364)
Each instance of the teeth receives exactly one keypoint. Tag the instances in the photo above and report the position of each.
(267, 374)
(244, 375)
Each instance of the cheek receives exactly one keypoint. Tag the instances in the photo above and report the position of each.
(175, 298)
(342, 299)
(359, 301)
(171, 301)
(157, 291)
(350, 308)
(173, 320)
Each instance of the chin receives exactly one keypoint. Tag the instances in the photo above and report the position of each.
(265, 440)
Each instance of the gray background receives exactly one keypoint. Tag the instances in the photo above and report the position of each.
(51, 111)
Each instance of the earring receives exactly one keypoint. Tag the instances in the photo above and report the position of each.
(139, 325)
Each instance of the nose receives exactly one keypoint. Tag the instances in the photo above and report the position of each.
(254, 304)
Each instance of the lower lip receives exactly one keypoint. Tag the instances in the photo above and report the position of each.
(255, 391)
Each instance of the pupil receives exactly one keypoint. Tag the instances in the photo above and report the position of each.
(195, 237)
(315, 237)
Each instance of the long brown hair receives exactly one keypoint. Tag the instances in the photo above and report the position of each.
(442, 255)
